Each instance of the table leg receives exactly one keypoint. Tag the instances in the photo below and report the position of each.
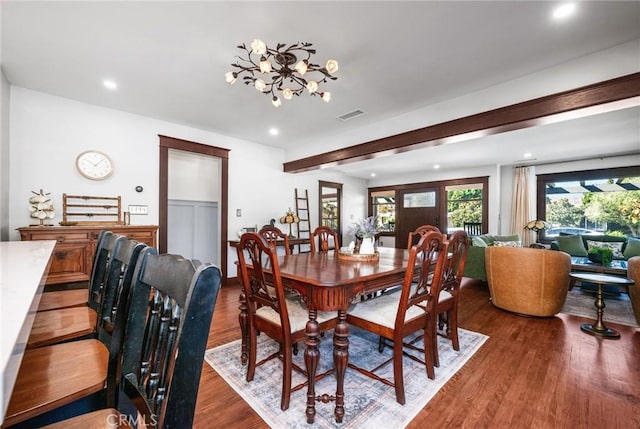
(244, 331)
(311, 358)
(599, 329)
(340, 359)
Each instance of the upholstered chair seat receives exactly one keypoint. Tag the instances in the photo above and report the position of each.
(633, 272)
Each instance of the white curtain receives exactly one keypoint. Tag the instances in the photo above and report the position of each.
(523, 203)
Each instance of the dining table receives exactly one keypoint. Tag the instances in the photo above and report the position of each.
(327, 281)
(23, 269)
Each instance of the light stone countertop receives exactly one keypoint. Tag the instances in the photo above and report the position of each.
(23, 265)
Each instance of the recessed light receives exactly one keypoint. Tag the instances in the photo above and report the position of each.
(435, 167)
(373, 174)
(109, 84)
(564, 10)
(273, 131)
(527, 155)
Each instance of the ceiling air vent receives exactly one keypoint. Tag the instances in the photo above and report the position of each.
(351, 115)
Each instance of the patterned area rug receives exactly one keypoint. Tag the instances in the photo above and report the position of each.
(617, 307)
(368, 403)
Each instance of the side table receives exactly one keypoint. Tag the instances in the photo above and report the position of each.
(599, 329)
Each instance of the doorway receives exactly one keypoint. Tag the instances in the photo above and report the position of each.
(167, 143)
(415, 207)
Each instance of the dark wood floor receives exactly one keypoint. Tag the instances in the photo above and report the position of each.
(531, 373)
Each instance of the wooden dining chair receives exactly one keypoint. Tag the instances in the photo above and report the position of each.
(397, 315)
(321, 239)
(54, 300)
(472, 228)
(447, 307)
(64, 379)
(416, 235)
(64, 324)
(166, 333)
(275, 238)
(269, 312)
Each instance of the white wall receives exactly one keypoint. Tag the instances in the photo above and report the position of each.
(48, 132)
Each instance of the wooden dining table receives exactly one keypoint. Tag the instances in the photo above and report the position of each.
(327, 282)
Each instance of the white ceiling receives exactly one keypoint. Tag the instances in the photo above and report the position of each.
(169, 60)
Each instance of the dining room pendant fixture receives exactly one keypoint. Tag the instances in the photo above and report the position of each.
(283, 71)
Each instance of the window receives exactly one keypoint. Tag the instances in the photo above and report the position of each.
(384, 209)
(591, 202)
(464, 205)
(330, 196)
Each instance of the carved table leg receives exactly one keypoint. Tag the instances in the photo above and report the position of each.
(242, 318)
(340, 359)
(311, 358)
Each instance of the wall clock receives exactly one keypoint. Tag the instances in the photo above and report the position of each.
(94, 165)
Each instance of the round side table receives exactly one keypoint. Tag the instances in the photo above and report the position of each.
(599, 329)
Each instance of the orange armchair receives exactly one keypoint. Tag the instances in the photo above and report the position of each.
(527, 281)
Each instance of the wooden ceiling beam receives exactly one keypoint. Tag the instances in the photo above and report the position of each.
(614, 94)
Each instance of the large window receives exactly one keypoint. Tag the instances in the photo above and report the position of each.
(464, 205)
(591, 202)
(384, 209)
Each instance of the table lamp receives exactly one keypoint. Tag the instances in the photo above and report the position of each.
(289, 218)
(536, 225)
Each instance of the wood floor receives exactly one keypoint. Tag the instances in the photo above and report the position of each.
(531, 373)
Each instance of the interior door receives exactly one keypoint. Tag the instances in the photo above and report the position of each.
(414, 208)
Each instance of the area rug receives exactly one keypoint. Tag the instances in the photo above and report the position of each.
(617, 307)
(368, 403)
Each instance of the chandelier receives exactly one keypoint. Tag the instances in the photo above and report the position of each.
(279, 71)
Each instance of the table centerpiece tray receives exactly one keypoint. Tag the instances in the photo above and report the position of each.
(357, 257)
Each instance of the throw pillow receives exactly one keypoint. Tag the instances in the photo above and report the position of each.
(615, 246)
(477, 241)
(571, 244)
(500, 243)
(633, 248)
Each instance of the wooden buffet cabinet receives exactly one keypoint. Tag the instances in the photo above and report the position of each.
(72, 256)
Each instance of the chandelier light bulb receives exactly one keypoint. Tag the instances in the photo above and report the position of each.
(260, 85)
(312, 86)
(265, 65)
(282, 71)
(301, 67)
(331, 66)
(258, 47)
(230, 77)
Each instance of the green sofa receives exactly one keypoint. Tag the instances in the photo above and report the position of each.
(578, 245)
(475, 266)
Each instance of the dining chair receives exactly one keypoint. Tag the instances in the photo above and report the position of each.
(54, 300)
(321, 239)
(397, 315)
(447, 306)
(269, 312)
(416, 235)
(72, 323)
(165, 337)
(275, 238)
(64, 379)
(472, 228)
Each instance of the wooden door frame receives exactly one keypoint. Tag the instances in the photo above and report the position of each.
(167, 143)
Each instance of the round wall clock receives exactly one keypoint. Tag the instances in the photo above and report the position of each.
(94, 165)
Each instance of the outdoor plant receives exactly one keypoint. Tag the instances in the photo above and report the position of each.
(603, 255)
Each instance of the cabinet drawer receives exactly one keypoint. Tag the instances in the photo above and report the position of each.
(62, 237)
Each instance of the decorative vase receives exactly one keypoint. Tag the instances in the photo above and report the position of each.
(367, 247)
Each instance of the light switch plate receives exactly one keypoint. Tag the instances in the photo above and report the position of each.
(138, 210)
